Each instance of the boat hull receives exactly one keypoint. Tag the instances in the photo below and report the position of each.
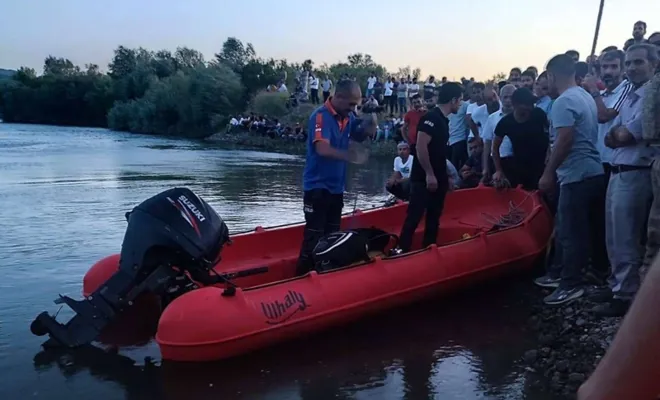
(205, 325)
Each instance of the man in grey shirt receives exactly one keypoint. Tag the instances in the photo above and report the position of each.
(458, 133)
(575, 164)
(629, 194)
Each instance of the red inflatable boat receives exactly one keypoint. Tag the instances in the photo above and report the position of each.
(483, 232)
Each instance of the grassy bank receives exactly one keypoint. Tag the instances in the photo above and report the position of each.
(249, 141)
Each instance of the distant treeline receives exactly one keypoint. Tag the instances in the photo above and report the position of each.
(159, 92)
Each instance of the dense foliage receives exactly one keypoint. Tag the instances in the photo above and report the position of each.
(162, 92)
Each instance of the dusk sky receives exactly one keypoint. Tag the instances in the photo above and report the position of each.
(459, 38)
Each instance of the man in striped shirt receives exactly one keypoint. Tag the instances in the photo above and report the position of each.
(608, 101)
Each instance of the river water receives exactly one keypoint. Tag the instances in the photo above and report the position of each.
(63, 195)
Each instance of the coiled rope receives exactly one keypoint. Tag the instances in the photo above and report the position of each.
(515, 216)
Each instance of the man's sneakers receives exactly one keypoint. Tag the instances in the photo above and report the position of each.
(561, 296)
(546, 281)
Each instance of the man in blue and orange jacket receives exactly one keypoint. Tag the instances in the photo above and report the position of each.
(330, 129)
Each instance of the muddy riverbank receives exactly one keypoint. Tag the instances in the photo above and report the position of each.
(253, 141)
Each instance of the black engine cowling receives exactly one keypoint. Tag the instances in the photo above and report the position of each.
(176, 227)
(168, 235)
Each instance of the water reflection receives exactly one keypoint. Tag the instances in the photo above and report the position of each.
(64, 194)
(425, 351)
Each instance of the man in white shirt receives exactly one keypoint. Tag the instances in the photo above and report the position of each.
(398, 183)
(413, 89)
(506, 148)
(314, 88)
(480, 114)
(402, 96)
(371, 81)
(429, 91)
(327, 85)
(544, 101)
(390, 99)
(629, 193)
(477, 98)
(608, 101)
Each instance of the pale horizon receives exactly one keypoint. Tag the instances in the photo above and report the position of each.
(473, 39)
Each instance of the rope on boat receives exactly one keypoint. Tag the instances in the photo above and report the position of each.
(515, 216)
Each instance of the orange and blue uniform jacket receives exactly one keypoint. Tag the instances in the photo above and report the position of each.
(325, 124)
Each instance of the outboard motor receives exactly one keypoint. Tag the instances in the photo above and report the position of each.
(168, 236)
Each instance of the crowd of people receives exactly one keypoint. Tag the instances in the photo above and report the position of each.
(264, 126)
(585, 134)
(572, 131)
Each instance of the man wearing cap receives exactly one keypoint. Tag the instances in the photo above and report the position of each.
(330, 129)
(399, 184)
(527, 128)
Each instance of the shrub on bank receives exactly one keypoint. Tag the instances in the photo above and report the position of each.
(274, 105)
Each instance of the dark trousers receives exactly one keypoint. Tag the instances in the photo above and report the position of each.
(315, 96)
(458, 154)
(580, 228)
(527, 173)
(421, 200)
(509, 169)
(322, 216)
(393, 104)
(400, 190)
(326, 96)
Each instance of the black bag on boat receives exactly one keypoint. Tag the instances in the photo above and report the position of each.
(343, 248)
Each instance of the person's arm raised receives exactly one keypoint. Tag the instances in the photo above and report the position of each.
(320, 137)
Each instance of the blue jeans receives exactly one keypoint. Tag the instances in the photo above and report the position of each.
(403, 105)
(575, 227)
(629, 197)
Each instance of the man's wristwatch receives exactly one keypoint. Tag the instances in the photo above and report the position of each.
(595, 95)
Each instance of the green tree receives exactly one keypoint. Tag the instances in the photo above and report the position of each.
(360, 66)
(192, 104)
(187, 58)
(164, 64)
(25, 75)
(59, 66)
(235, 54)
